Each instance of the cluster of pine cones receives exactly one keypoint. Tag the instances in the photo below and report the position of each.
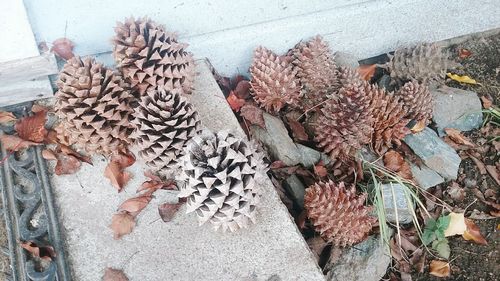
(146, 103)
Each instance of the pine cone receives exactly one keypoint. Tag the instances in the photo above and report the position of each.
(423, 62)
(164, 122)
(345, 123)
(273, 81)
(337, 213)
(149, 56)
(222, 173)
(93, 105)
(417, 100)
(316, 71)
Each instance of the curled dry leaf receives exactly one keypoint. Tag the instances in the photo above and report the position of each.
(67, 164)
(234, 102)
(462, 79)
(123, 158)
(457, 137)
(479, 164)
(69, 151)
(367, 71)
(49, 154)
(51, 137)
(278, 164)
(486, 102)
(473, 233)
(63, 48)
(45, 252)
(253, 114)
(492, 170)
(395, 162)
(167, 211)
(456, 192)
(117, 175)
(242, 89)
(15, 143)
(156, 183)
(6, 117)
(111, 274)
(32, 128)
(298, 131)
(457, 225)
(418, 127)
(136, 204)
(439, 268)
(320, 170)
(122, 223)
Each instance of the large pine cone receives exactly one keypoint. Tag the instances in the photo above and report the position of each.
(423, 62)
(345, 123)
(337, 213)
(93, 105)
(164, 122)
(317, 72)
(223, 174)
(417, 100)
(149, 56)
(273, 81)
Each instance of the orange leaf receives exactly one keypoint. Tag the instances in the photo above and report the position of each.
(32, 128)
(367, 71)
(15, 143)
(63, 48)
(122, 223)
(115, 173)
(6, 117)
(44, 252)
(473, 233)
(111, 274)
(439, 268)
(298, 131)
(234, 102)
(418, 127)
(395, 162)
(464, 53)
(457, 137)
(136, 204)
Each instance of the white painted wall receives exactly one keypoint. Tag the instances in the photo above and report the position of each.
(226, 31)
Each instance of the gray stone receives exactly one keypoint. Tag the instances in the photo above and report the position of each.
(296, 189)
(456, 108)
(367, 261)
(275, 137)
(180, 249)
(397, 207)
(346, 59)
(425, 176)
(435, 153)
(309, 157)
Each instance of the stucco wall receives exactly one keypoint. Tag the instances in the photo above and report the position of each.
(226, 31)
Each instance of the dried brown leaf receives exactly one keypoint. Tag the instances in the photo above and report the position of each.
(473, 233)
(15, 143)
(253, 114)
(6, 117)
(492, 170)
(122, 223)
(116, 174)
(67, 164)
(457, 137)
(111, 274)
(320, 170)
(439, 268)
(278, 164)
(37, 108)
(234, 102)
(456, 192)
(298, 131)
(135, 204)
(242, 90)
(32, 128)
(69, 151)
(63, 48)
(367, 71)
(167, 211)
(479, 164)
(395, 162)
(49, 154)
(419, 126)
(486, 102)
(123, 158)
(45, 252)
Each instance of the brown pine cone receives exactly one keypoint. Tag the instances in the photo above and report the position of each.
(149, 56)
(273, 81)
(337, 213)
(418, 101)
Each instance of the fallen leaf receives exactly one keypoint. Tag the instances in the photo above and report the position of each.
(37, 108)
(111, 274)
(473, 233)
(15, 143)
(478, 215)
(51, 137)
(156, 183)
(462, 79)
(49, 154)
(301, 220)
(479, 164)
(456, 192)
(32, 128)
(253, 114)
(298, 131)
(63, 48)
(116, 174)
(235, 80)
(367, 71)
(457, 137)
(418, 127)
(69, 151)
(6, 117)
(242, 90)
(278, 164)
(45, 252)
(67, 164)
(135, 204)
(320, 170)
(234, 102)
(123, 158)
(457, 225)
(439, 268)
(464, 53)
(486, 102)
(167, 210)
(492, 170)
(122, 223)
(395, 162)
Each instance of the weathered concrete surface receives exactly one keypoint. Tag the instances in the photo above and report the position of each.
(180, 249)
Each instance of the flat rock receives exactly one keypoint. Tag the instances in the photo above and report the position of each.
(367, 261)
(276, 139)
(435, 153)
(179, 249)
(400, 211)
(310, 157)
(296, 189)
(425, 176)
(456, 108)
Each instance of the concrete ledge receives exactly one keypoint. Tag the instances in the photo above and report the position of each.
(272, 249)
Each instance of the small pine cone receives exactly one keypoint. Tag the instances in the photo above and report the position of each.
(424, 62)
(149, 56)
(93, 104)
(165, 121)
(417, 100)
(337, 213)
(390, 123)
(222, 179)
(273, 81)
(316, 70)
(345, 122)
